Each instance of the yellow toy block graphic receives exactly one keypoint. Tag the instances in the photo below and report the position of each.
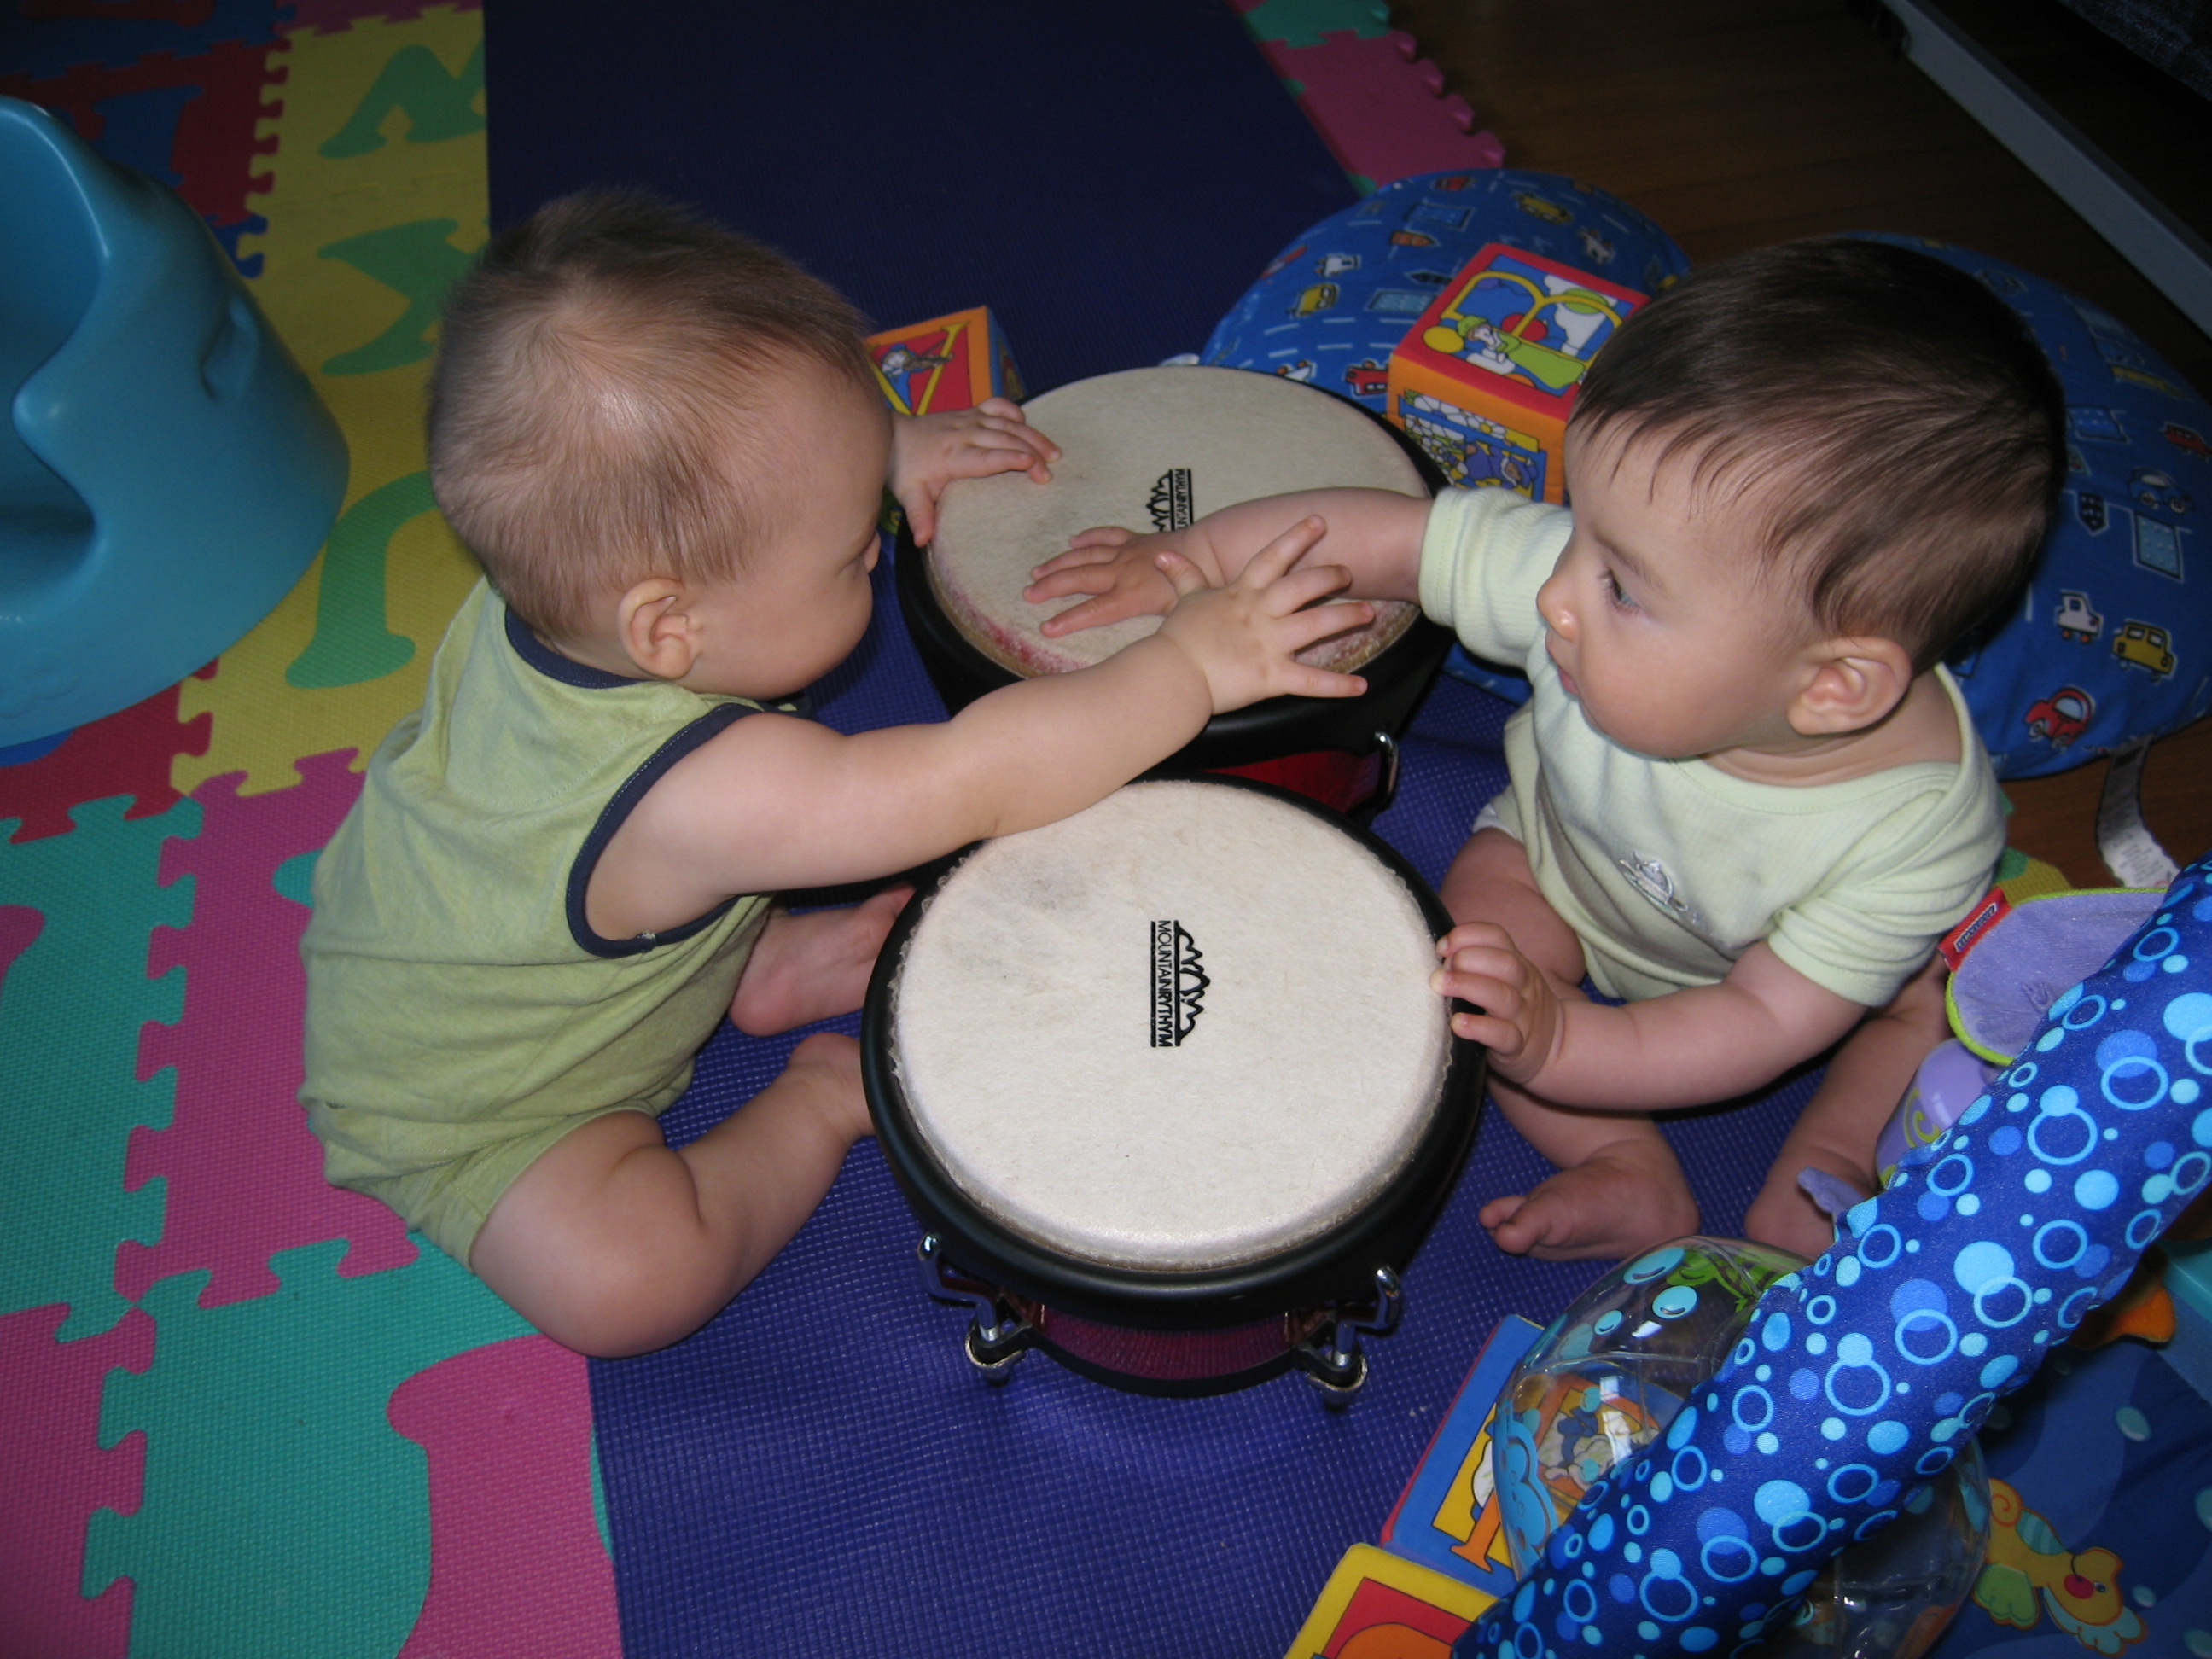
(376, 202)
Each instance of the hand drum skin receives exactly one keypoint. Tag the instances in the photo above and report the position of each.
(1172, 1067)
(1155, 449)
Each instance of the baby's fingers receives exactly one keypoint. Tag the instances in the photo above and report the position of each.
(1092, 546)
(1187, 577)
(1302, 587)
(1070, 579)
(1091, 613)
(1298, 679)
(1480, 934)
(1285, 551)
(1304, 628)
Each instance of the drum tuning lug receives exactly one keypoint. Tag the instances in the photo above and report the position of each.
(997, 1336)
(994, 1350)
(1338, 1389)
(1387, 791)
(1330, 1358)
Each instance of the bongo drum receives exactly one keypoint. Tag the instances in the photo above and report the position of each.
(1155, 449)
(1167, 1086)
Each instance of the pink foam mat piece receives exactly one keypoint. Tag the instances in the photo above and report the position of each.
(508, 1429)
(58, 1474)
(334, 16)
(1378, 104)
(245, 1177)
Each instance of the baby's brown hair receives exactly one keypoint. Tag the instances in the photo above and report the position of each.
(1898, 420)
(597, 366)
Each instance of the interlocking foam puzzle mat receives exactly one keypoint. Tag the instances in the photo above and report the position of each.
(245, 1414)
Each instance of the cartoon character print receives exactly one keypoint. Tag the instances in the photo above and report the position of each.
(1596, 248)
(1367, 378)
(2063, 716)
(1301, 371)
(2029, 1560)
(2145, 646)
(2188, 440)
(1335, 264)
(2077, 619)
(1537, 208)
(2155, 491)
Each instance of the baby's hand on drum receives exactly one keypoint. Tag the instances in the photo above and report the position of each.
(1120, 570)
(1520, 1022)
(1245, 637)
(929, 450)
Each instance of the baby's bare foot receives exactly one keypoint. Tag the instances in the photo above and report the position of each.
(1611, 1204)
(1783, 1213)
(813, 967)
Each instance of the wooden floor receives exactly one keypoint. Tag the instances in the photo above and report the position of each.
(1739, 123)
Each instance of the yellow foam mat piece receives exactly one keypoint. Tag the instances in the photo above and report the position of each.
(377, 198)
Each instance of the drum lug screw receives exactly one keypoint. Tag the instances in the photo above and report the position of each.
(1331, 1358)
(997, 1337)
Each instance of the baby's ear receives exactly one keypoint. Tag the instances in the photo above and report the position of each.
(656, 629)
(1854, 682)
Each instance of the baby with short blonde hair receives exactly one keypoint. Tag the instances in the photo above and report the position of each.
(666, 444)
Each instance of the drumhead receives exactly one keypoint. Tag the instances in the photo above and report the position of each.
(1187, 1029)
(1150, 448)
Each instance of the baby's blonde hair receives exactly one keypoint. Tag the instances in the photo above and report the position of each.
(600, 368)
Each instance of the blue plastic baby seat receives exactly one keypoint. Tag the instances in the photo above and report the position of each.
(166, 472)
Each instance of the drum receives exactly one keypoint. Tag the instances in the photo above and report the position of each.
(1155, 449)
(1168, 1087)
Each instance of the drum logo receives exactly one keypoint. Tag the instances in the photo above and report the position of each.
(1169, 504)
(1178, 984)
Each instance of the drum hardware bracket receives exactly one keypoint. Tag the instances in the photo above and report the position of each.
(1330, 1358)
(1386, 791)
(997, 1337)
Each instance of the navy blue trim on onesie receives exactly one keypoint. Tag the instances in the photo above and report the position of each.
(568, 672)
(555, 666)
(710, 724)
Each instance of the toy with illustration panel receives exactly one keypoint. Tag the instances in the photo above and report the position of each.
(1486, 380)
(1332, 306)
(1614, 1372)
(1448, 1516)
(952, 361)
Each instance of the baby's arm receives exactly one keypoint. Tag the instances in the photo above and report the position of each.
(1689, 1048)
(929, 450)
(774, 802)
(1376, 534)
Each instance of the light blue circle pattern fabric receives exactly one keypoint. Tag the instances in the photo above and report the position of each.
(1868, 1371)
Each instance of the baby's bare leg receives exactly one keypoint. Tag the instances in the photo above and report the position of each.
(614, 1245)
(813, 967)
(1838, 1128)
(1618, 1187)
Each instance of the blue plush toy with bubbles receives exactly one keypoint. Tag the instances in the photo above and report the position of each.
(1870, 1370)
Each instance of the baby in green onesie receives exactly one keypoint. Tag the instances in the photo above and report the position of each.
(667, 446)
(1745, 796)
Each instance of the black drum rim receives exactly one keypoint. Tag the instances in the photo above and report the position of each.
(1336, 1266)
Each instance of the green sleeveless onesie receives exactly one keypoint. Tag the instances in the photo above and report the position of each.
(462, 1016)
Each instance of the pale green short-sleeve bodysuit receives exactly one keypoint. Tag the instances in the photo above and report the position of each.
(1670, 870)
(462, 1016)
